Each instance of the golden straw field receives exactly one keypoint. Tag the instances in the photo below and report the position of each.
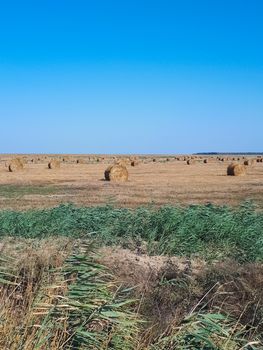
(166, 180)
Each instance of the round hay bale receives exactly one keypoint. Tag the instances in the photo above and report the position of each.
(15, 165)
(235, 169)
(205, 161)
(80, 161)
(249, 162)
(190, 161)
(54, 164)
(134, 160)
(154, 160)
(65, 159)
(116, 173)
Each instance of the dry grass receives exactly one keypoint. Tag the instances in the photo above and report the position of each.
(35, 309)
(171, 288)
(31, 263)
(51, 290)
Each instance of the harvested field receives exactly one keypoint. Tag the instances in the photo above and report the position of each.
(158, 183)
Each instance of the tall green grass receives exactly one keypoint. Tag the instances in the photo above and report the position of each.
(209, 331)
(212, 232)
(92, 314)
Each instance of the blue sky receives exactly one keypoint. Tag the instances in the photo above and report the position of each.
(131, 76)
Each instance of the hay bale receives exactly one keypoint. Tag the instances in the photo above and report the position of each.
(116, 173)
(134, 161)
(54, 164)
(235, 169)
(205, 161)
(15, 165)
(80, 161)
(249, 162)
(154, 160)
(190, 161)
(65, 159)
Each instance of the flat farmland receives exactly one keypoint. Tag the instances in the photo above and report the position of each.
(158, 183)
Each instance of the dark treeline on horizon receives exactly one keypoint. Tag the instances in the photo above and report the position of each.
(234, 153)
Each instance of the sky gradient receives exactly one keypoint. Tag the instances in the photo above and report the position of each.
(131, 76)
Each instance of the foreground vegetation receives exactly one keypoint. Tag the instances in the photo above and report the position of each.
(211, 232)
(55, 292)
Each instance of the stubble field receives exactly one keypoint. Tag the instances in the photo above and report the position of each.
(160, 182)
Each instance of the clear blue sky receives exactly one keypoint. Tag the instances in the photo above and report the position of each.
(135, 76)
